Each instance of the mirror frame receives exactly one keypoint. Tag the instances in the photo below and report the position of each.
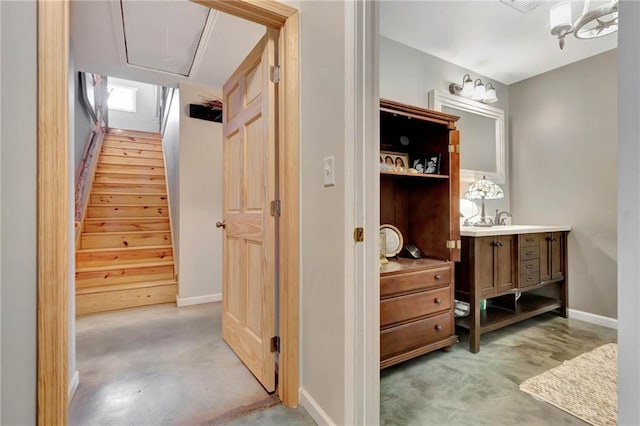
(438, 99)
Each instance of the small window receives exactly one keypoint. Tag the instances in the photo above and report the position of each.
(122, 98)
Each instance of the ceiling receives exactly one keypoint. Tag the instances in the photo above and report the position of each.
(487, 37)
(172, 41)
(160, 42)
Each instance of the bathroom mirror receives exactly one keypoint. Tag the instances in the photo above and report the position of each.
(482, 145)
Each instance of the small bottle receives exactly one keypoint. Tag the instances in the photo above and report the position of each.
(483, 304)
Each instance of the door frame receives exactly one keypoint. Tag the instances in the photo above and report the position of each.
(53, 195)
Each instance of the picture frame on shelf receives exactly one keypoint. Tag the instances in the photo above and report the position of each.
(394, 161)
(432, 164)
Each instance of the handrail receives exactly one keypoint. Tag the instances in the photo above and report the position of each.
(166, 107)
(86, 172)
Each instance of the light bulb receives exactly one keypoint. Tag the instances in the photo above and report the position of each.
(490, 94)
(479, 91)
(467, 86)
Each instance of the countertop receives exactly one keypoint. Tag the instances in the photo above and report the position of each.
(472, 231)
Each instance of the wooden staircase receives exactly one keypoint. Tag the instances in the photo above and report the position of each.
(124, 255)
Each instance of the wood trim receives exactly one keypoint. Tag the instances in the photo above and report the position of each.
(270, 13)
(53, 211)
(288, 148)
(417, 112)
(84, 183)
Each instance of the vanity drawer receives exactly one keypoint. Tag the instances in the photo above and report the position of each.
(528, 253)
(403, 308)
(414, 281)
(528, 266)
(526, 280)
(529, 240)
(411, 336)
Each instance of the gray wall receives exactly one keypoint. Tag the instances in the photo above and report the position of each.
(18, 200)
(629, 219)
(83, 123)
(171, 148)
(200, 198)
(564, 145)
(407, 75)
(144, 119)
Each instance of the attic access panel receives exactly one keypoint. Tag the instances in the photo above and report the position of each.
(163, 36)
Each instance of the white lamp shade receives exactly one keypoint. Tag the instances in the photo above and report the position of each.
(490, 94)
(560, 16)
(467, 86)
(479, 92)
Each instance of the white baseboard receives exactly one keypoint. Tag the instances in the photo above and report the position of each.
(593, 318)
(315, 411)
(73, 385)
(207, 298)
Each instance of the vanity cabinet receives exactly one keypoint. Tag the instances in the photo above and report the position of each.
(520, 275)
(416, 295)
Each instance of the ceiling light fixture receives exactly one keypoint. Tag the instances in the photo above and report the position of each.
(597, 22)
(474, 90)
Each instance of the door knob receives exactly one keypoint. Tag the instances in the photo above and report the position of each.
(220, 224)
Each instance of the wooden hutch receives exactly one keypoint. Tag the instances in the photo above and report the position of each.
(417, 295)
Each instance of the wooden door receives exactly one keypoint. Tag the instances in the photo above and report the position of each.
(485, 271)
(556, 255)
(545, 261)
(249, 247)
(505, 262)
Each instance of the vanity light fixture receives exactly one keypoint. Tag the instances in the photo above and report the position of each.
(480, 190)
(592, 23)
(474, 90)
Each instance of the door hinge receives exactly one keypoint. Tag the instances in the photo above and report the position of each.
(358, 235)
(454, 148)
(275, 74)
(452, 244)
(275, 344)
(275, 208)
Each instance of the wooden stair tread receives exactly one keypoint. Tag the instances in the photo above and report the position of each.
(124, 265)
(127, 205)
(120, 219)
(106, 234)
(109, 249)
(134, 182)
(144, 194)
(125, 286)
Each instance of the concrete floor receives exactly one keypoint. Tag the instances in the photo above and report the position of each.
(163, 365)
(460, 388)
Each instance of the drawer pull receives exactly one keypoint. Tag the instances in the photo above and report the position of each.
(529, 279)
(528, 266)
(530, 240)
(437, 301)
(438, 277)
(438, 327)
(529, 252)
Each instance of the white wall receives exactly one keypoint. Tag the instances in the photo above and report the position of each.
(407, 75)
(564, 145)
(628, 217)
(200, 199)
(144, 119)
(171, 148)
(323, 239)
(18, 201)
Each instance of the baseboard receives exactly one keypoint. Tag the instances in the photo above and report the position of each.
(207, 298)
(593, 318)
(73, 385)
(315, 411)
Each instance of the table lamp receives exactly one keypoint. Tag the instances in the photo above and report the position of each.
(484, 189)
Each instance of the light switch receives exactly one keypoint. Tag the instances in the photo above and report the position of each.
(329, 171)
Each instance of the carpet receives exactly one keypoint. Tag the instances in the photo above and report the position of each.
(586, 386)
